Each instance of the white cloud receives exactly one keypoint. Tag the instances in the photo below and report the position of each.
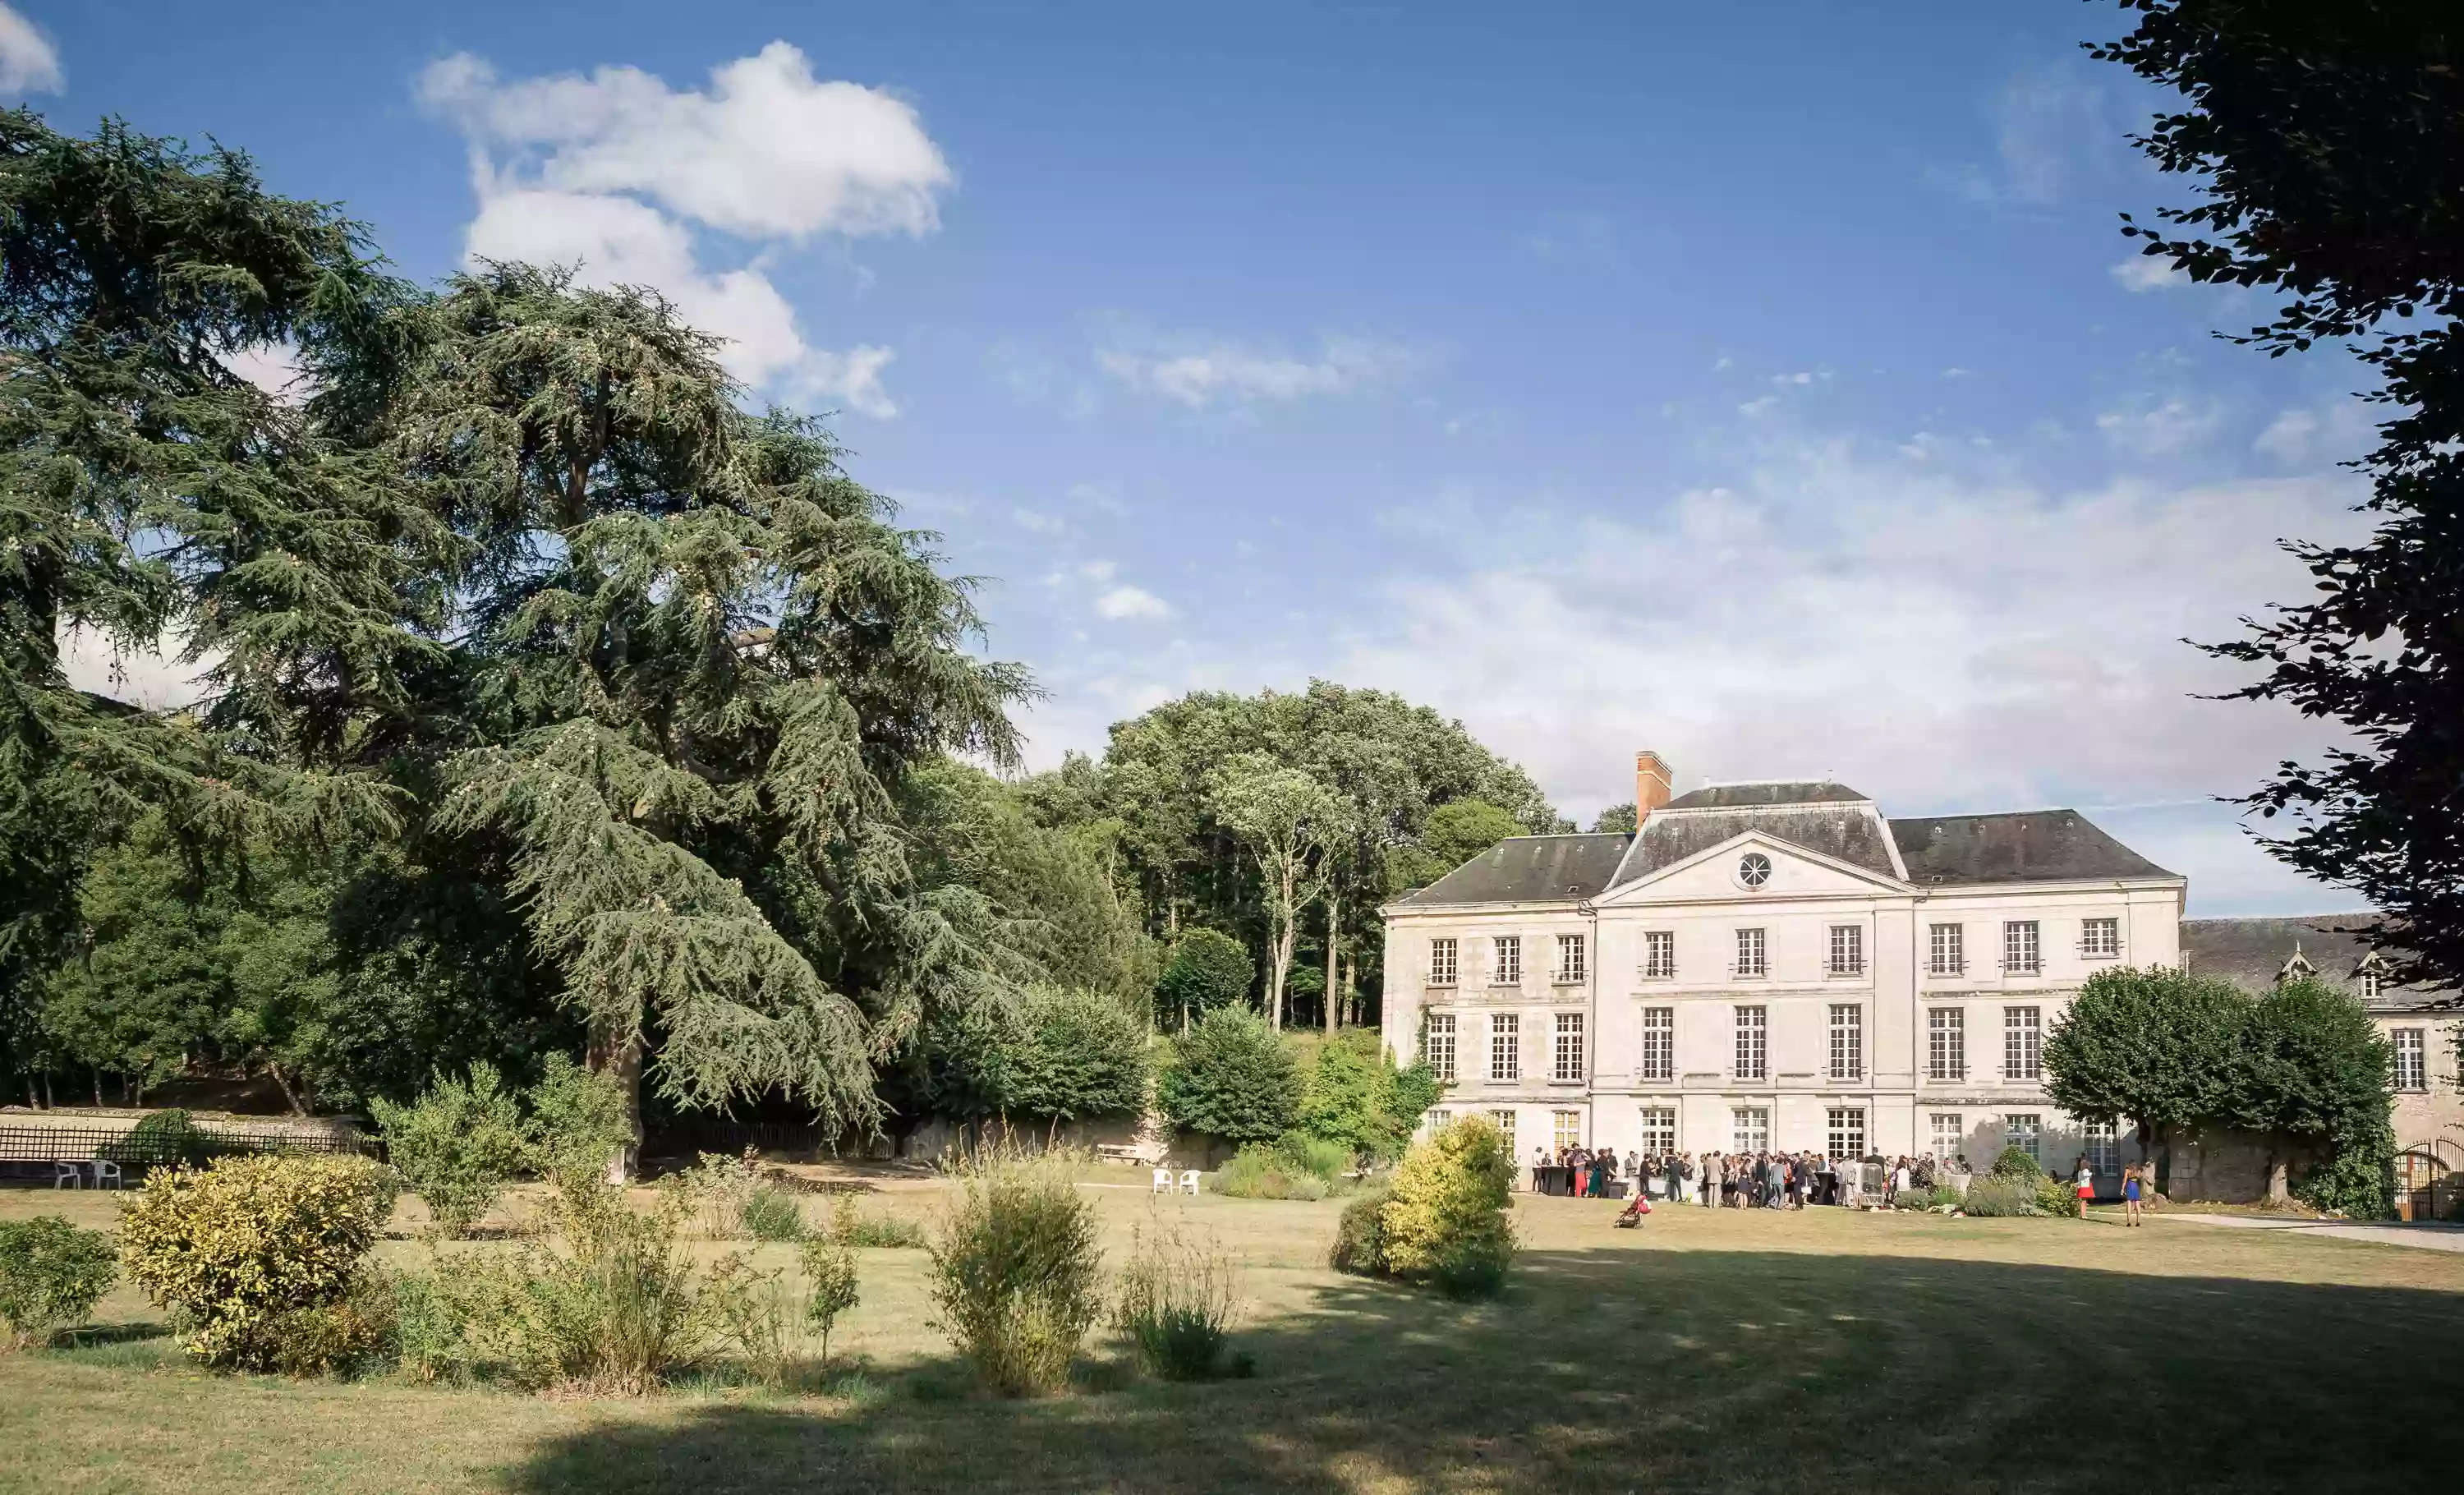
(153, 679)
(2298, 438)
(1224, 373)
(768, 152)
(1940, 640)
(1131, 601)
(2057, 131)
(29, 62)
(2167, 429)
(273, 368)
(611, 170)
(1762, 406)
(2147, 272)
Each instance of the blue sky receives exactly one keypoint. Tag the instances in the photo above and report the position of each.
(1765, 385)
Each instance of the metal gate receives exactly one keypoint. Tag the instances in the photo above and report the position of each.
(2429, 1182)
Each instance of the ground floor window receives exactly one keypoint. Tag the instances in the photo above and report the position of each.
(2102, 1148)
(1847, 1132)
(1441, 1119)
(1752, 1129)
(1659, 1129)
(2024, 1131)
(1569, 1129)
(1950, 1133)
(1504, 1122)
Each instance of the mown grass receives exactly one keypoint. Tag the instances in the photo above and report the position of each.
(1706, 1352)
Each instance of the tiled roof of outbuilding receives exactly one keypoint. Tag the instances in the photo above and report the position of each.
(2252, 952)
(1531, 869)
(2024, 846)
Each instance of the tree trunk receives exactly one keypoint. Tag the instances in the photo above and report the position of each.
(98, 1085)
(289, 1097)
(623, 1061)
(1333, 936)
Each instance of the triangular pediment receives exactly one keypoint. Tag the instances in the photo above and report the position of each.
(1724, 871)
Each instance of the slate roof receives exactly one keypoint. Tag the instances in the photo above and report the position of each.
(1845, 830)
(2025, 846)
(1532, 869)
(1740, 796)
(2250, 953)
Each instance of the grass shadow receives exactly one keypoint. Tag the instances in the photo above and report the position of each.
(1690, 1370)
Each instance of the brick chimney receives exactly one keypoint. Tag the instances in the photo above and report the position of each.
(1651, 786)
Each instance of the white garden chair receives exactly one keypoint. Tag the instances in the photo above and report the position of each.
(1189, 1182)
(106, 1176)
(68, 1175)
(1162, 1182)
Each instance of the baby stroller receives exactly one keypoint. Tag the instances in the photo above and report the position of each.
(1632, 1215)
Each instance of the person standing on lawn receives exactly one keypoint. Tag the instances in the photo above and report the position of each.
(2084, 1179)
(2130, 1195)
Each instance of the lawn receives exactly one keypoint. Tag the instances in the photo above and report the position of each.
(1707, 1350)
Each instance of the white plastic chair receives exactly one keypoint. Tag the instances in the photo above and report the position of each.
(106, 1176)
(1162, 1182)
(1189, 1182)
(68, 1175)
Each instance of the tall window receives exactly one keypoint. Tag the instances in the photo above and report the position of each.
(1751, 953)
(1660, 1044)
(2021, 952)
(1753, 1054)
(1749, 1129)
(1439, 1118)
(2371, 982)
(2025, 1131)
(1946, 950)
(1847, 1132)
(1570, 958)
(2102, 1148)
(1658, 955)
(1506, 961)
(1438, 1046)
(1945, 1044)
(1441, 962)
(1847, 1041)
(1568, 1126)
(2099, 939)
(1504, 1122)
(1659, 1129)
(2411, 1059)
(1847, 950)
(1504, 1045)
(1950, 1133)
(2023, 1044)
(1566, 1047)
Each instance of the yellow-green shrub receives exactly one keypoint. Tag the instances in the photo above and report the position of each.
(1017, 1275)
(52, 1274)
(261, 1258)
(1446, 1222)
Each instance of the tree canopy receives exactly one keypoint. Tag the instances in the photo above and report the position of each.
(2327, 141)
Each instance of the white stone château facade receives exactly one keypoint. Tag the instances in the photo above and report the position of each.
(1773, 966)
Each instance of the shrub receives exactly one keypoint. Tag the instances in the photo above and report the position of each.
(849, 1227)
(830, 1287)
(1321, 1159)
(1017, 1275)
(1208, 969)
(1231, 1076)
(2054, 1196)
(1943, 1196)
(52, 1274)
(1178, 1300)
(457, 1146)
(1446, 1223)
(427, 1330)
(256, 1251)
(1355, 1096)
(716, 1190)
(2358, 1181)
(167, 1136)
(2015, 1162)
(613, 1303)
(772, 1215)
(579, 1125)
(1083, 1055)
(1360, 1236)
(1267, 1172)
(1997, 1196)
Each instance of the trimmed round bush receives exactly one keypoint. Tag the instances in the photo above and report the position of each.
(2015, 1162)
(52, 1274)
(1232, 1076)
(262, 1258)
(1360, 1236)
(1446, 1223)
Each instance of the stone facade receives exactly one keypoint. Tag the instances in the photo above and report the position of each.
(1773, 966)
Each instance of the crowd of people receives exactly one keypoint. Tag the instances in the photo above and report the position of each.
(1746, 1180)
